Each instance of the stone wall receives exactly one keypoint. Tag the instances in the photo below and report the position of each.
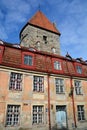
(31, 35)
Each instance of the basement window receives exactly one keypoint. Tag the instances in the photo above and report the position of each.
(38, 114)
(38, 84)
(13, 115)
(15, 81)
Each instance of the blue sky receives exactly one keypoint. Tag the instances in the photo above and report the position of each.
(70, 17)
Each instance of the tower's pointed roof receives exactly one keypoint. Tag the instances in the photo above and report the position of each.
(40, 20)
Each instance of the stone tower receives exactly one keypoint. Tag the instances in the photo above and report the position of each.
(41, 34)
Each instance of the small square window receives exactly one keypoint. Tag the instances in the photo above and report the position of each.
(28, 60)
(79, 69)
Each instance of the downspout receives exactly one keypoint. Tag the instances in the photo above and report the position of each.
(49, 120)
(73, 103)
(48, 82)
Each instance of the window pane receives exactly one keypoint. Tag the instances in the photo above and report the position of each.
(38, 84)
(15, 81)
(59, 85)
(28, 60)
(57, 65)
(79, 69)
(37, 114)
(13, 112)
(78, 88)
(81, 115)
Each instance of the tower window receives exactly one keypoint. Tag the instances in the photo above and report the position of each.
(53, 50)
(45, 39)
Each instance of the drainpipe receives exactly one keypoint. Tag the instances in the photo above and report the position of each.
(73, 103)
(49, 120)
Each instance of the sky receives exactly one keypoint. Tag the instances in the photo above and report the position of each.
(70, 17)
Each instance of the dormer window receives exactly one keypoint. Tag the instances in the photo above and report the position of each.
(28, 60)
(79, 69)
(57, 65)
(45, 39)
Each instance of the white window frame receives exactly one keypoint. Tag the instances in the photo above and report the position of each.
(79, 69)
(13, 115)
(15, 81)
(57, 65)
(78, 87)
(59, 83)
(28, 60)
(38, 114)
(38, 83)
(81, 113)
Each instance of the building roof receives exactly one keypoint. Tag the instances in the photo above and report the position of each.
(40, 20)
(13, 56)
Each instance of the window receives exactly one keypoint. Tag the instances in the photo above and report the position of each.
(38, 83)
(81, 115)
(13, 113)
(79, 69)
(53, 50)
(37, 114)
(78, 89)
(57, 65)
(15, 81)
(45, 39)
(28, 60)
(59, 85)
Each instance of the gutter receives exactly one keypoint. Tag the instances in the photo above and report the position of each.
(49, 117)
(73, 102)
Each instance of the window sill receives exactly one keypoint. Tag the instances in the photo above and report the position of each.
(38, 92)
(79, 94)
(61, 93)
(38, 125)
(15, 90)
(82, 121)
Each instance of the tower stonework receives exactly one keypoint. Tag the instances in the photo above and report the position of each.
(41, 34)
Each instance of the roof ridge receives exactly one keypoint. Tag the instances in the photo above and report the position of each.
(40, 20)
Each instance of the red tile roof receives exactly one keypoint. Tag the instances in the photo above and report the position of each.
(13, 56)
(40, 20)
